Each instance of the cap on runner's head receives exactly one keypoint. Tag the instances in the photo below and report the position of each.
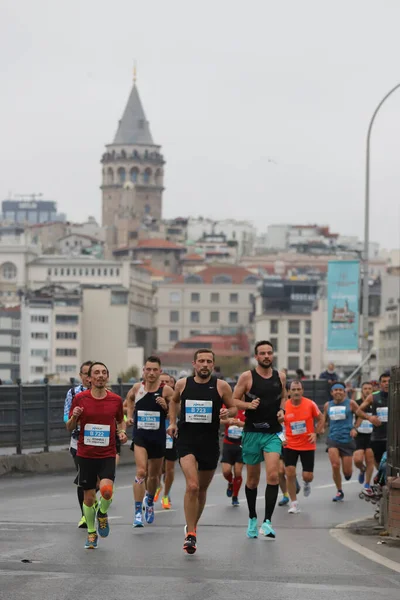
(338, 386)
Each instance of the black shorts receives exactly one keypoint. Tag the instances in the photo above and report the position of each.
(232, 454)
(307, 458)
(73, 451)
(378, 448)
(345, 449)
(89, 469)
(363, 441)
(206, 453)
(171, 454)
(153, 450)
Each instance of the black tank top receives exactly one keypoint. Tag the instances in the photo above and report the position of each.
(149, 418)
(380, 409)
(200, 407)
(269, 391)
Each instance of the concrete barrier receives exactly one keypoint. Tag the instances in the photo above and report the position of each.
(48, 462)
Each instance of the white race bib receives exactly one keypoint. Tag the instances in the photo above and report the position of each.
(96, 435)
(169, 442)
(337, 413)
(298, 427)
(365, 427)
(198, 411)
(148, 419)
(73, 443)
(382, 413)
(282, 436)
(235, 432)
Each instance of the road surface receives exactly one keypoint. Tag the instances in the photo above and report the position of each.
(38, 524)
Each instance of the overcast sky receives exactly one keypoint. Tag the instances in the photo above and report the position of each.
(261, 107)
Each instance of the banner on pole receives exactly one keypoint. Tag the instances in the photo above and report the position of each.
(343, 304)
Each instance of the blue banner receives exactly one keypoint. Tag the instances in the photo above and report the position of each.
(343, 303)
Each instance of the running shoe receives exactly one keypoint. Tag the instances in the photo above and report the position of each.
(252, 528)
(157, 494)
(82, 523)
(229, 490)
(149, 513)
(103, 526)
(91, 542)
(138, 520)
(361, 477)
(368, 490)
(284, 501)
(189, 545)
(235, 501)
(165, 502)
(339, 496)
(186, 531)
(306, 489)
(267, 531)
(298, 487)
(294, 509)
(145, 501)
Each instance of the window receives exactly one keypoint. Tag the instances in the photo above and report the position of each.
(80, 272)
(214, 316)
(66, 335)
(74, 272)
(105, 272)
(174, 316)
(214, 297)
(15, 324)
(120, 298)
(294, 327)
(173, 335)
(67, 319)
(307, 345)
(307, 363)
(222, 278)
(117, 272)
(15, 341)
(39, 352)
(9, 270)
(233, 317)
(167, 263)
(371, 328)
(293, 345)
(99, 272)
(293, 363)
(93, 272)
(273, 327)
(274, 342)
(65, 351)
(234, 298)
(195, 316)
(86, 272)
(66, 369)
(121, 175)
(39, 319)
(37, 369)
(68, 271)
(307, 328)
(174, 297)
(195, 297)
(49, 272)
(56, 271)
(39, 336)
(61, 271)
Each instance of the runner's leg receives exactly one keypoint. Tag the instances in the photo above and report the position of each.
(191, 499)
(370, 463)
(252, 481)
(334, 458)
(271, 491)
(205, 478)
(169, 476)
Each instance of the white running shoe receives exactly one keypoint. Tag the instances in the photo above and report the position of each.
(294, 509)
(306, 489)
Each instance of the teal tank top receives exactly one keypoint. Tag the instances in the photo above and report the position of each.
(340, 421)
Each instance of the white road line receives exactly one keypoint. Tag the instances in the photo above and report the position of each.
(339, 535)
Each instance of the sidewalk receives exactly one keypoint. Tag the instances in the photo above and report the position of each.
(368, 538)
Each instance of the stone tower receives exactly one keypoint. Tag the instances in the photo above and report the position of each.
(132, 179)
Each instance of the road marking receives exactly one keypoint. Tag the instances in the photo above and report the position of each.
(330, 485)
(339, 535)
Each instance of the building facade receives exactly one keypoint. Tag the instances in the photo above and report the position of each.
(30, 211)
(10, 344)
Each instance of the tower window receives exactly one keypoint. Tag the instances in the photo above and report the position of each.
(134, 174)
(147, 209)
(121, 175)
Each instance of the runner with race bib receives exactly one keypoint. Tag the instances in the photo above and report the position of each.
(232, 459)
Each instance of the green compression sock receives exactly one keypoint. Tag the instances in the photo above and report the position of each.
(104, 505)
(90, 515)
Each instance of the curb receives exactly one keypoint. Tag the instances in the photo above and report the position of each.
(340, 535)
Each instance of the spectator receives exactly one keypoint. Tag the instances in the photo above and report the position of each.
(329, 375)
(217, 373)
(300, 374)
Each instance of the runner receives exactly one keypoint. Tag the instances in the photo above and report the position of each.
(100, 415)
(170, 458)
(83, 374)
(340, 442)
(164, 380)
(363, 456)
(147, 406)
(301, 437)
(378, 402)
(201, 398)
(232, 459)
(265, 391)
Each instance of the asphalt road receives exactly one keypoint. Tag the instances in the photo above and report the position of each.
(38, 524)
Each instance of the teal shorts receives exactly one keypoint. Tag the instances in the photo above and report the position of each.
(255, 444)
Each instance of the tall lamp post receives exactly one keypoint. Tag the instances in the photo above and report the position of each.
(365, 296)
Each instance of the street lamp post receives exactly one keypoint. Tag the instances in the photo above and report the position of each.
(365, 296)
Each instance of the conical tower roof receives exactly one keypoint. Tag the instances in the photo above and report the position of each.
(133, 128)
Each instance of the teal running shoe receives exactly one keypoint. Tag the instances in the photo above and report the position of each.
(138, 520)
(283, 501)
(252, 528)
(103, 526)
(91, 542)
(267, 531)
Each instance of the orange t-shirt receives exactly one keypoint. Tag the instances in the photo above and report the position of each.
(299, 423)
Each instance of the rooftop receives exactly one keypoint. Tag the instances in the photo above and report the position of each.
(133, 128)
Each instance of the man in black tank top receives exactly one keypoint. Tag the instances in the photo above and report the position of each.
(378, 402)
(200, 398)
(264, 393)
(147, 406)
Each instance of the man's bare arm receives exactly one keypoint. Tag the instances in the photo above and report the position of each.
(225, 392)
(130, 402)
(241, 388)
(175, 400)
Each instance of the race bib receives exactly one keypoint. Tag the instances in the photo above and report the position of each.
(365, 427)
(235, 432)
(73, 443)
(148, 419)
(96, 435)
(281, 435)
(198, 411)
(169, 442)
(337, 413)
(298, 427)
(382, 413)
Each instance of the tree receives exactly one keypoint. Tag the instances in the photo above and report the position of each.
(129, 373)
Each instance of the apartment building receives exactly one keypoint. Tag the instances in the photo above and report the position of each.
(10, 343)
(389, 337)
(211, 301)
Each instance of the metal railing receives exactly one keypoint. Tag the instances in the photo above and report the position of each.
(393, 455)
(31, 416)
